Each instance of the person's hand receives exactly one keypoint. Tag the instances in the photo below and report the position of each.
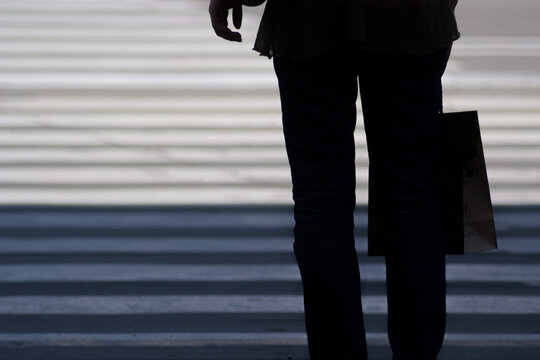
(219, 11)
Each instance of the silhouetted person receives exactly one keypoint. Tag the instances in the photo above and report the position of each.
(396, 51)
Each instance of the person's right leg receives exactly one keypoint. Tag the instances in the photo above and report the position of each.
(401, 97)
(318, 100)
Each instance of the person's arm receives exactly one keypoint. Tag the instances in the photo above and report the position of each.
(219, 11)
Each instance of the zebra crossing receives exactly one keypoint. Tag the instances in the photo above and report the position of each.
(221, 282)
(145, 195)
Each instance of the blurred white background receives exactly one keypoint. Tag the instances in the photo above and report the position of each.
(139, 102)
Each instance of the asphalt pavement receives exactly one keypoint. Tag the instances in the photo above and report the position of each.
(221, 282)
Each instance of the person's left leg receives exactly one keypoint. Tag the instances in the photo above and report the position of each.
(401, 99)
(318, 99)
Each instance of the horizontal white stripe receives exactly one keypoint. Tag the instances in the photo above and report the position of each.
(151, 272)
(501, 171)
(181, 174)
(265, 81)
(499, 51)
(33, 33)
(189, 155)
(158, 175)
(202, 25)
(203, 22)
(184, 137)
(20, 157)
(515, 196)
(472, 40)
(213, 46)
(514, 176)
(201, 115)
(210, 137)
(167, 17)
(134, 119)
(142, 304)
(40, 33)
(208, 244)
(488, 80)
(104, 5)
(52, 34)
(142, 137)
(211, 195)
(141, 63)
(237, 338)
(181, 104)
(181, 195)
(81, 80)
(490, 102)
(487, 106)
(236, 53)
(91, 13)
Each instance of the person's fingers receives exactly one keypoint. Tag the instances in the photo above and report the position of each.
(237, 15)
(224, 32)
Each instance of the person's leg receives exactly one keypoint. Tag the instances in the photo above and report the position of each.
(401, 98)
(318, 99)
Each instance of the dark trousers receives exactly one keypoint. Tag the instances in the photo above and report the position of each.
(401, 95)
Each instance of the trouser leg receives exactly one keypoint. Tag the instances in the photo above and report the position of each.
(401, 97)
(318, 98)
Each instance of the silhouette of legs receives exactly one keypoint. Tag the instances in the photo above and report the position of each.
(401, 96)
(318, 100)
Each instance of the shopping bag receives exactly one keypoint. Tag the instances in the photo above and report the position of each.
(466, 208)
